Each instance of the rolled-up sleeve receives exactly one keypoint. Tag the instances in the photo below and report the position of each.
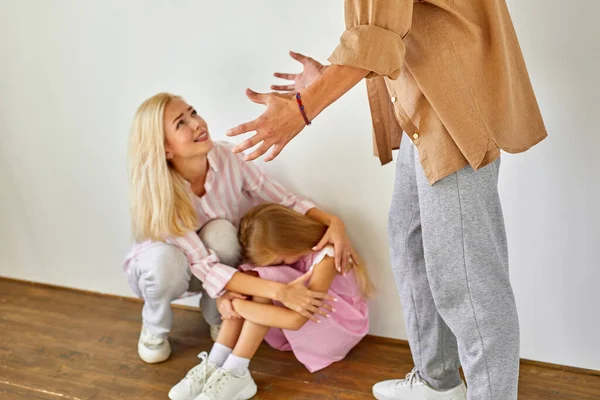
(204, 264)
(374, 35)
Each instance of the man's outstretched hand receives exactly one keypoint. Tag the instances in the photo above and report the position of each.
(282, 120)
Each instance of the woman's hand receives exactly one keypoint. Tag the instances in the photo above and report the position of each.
(226, 308)
(297, 297)
(311, 70)
(345, 257)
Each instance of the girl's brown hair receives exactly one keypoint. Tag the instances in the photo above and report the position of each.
(269, 231)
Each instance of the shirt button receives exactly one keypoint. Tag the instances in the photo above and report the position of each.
(394, 99)
(415, 135)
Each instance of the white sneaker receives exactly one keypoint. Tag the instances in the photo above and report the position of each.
(153, 348)
(214, 332)
(229, 384)
(193, 383)
(415, 388)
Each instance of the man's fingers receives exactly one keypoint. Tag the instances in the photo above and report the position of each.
(299, 57)
(277, 148)
(283, 88)
(243, 128)
(281, 75)
(259, 98)
(248, 143)
(262, 149)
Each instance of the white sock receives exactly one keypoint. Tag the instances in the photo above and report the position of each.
(236, 362)
(218, 354)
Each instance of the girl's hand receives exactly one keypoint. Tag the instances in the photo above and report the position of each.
(297, 297)
(225, 307)
(345, 257)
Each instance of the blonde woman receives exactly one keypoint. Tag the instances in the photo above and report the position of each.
(179, 182)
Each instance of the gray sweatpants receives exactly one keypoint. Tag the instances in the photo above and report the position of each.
(161, 274)
(450, 260)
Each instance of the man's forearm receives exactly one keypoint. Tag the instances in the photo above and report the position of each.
(330, 86)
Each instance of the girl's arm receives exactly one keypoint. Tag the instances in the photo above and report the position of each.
(294, 295)
(280, 317)
(218, 278)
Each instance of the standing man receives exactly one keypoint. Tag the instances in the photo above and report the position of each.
(450, 75)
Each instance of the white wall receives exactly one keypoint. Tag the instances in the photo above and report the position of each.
(73, 72)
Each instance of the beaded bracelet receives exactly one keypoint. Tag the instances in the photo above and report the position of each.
(299, 100)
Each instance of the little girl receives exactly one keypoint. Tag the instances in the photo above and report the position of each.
(278, 245)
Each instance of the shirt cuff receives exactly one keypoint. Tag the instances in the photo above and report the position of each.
(217, 278)
(302, 206)
(370, 47)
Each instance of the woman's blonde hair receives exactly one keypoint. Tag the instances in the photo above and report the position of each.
(270, 231)
(160, 201)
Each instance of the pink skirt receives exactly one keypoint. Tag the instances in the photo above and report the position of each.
(317, 345)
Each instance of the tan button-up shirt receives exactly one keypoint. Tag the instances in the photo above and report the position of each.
(449, 73)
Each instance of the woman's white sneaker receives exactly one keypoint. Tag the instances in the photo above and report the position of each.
(229, 384)
(192, 385)
(413, 387)
(152, 348)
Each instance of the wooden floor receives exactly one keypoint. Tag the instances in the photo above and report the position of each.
(58, 344)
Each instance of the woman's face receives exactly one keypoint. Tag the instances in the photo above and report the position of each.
(186, 133)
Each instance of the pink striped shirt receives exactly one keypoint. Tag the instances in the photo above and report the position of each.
(232, 187)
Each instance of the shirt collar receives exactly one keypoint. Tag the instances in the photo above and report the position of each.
(212, 160)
